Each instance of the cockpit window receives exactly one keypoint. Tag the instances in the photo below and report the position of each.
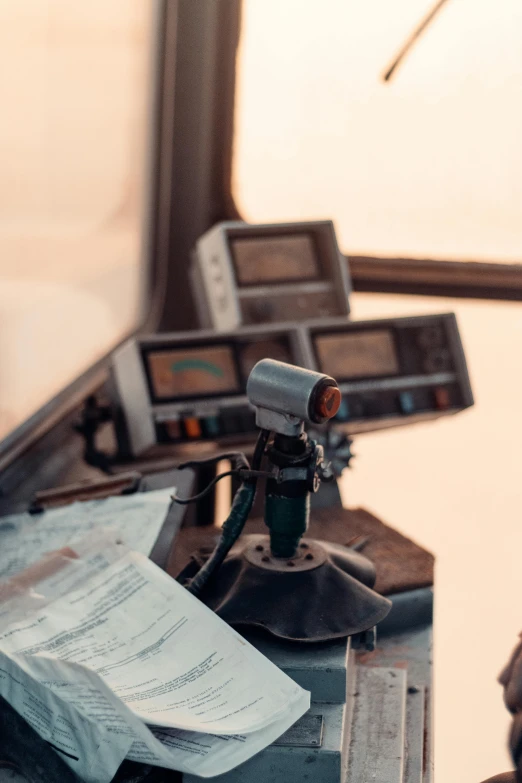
(75, 91)
(424, 165)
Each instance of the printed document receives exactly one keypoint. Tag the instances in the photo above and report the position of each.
(24, 538)
(128, 664)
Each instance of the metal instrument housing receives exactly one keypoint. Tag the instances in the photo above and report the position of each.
(284, 396)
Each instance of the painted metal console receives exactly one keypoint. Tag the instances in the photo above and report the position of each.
(370, 715)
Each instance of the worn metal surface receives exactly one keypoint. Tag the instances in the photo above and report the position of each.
(184, 481)
(306, 733)
(415, 702)
(321, 669)
(377, 746)
(410, 609)
(382, 734)
(383, 731)
(410, 651)
(288, 764)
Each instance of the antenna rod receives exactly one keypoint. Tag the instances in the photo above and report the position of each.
(413, 37)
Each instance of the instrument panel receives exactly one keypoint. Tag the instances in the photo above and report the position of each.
(252, 274)
(387, 371)
(188, 387)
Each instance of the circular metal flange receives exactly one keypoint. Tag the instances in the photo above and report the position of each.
(310, 554)
(11, 773)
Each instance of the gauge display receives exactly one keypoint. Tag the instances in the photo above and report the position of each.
(367, 354)
(277, 259)
(193, 372)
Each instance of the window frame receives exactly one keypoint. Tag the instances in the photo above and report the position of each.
(196, 175)
(432, 277)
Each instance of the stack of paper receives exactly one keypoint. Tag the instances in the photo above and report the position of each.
(108, 658)
(24, 538)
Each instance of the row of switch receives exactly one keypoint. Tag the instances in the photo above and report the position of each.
(229, 422)
(441, 400)
(238, 421)
(407, 402)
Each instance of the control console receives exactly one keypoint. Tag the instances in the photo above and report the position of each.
(191, 386)
(394, 368)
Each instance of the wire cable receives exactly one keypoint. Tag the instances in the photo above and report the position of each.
(235, 522)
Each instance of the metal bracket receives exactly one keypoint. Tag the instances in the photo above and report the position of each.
(284, 423)
(310, 554)
(306, 733)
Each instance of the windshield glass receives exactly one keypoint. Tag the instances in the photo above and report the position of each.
(424, 165)
(75, 91)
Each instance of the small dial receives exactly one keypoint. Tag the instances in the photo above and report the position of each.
(430, 337)
(437, 360)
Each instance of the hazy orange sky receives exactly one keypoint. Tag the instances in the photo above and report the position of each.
(428, 164)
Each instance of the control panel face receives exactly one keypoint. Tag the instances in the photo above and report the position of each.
(192, 387)
(192, 372)
(253, 274)
(195, 383)
(406, 367)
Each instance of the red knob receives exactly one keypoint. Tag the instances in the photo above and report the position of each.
(328, 402)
